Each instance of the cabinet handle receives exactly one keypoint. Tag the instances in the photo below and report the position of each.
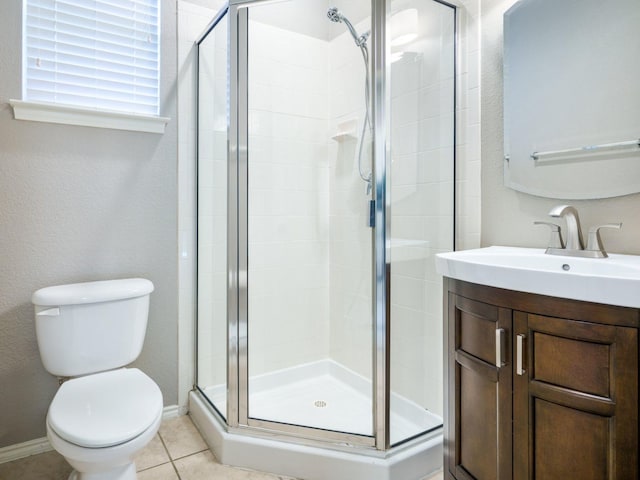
(500, 347)
(519, 348)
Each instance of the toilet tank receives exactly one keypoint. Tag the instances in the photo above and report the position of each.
(90, 327)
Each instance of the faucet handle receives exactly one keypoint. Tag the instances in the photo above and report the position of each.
(594, 242)
(555, 240)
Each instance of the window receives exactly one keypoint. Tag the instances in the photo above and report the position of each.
(91, 55)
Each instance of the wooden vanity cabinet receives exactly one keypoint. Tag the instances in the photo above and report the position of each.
(539, 387)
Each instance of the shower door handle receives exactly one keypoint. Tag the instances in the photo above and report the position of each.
(372, 213)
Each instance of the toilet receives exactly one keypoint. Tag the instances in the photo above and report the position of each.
(103, 414)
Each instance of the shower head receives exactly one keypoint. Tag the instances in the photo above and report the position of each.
(334, 15)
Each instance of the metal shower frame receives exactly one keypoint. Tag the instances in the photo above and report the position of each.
(237, 417)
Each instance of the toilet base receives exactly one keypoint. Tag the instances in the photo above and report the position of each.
(123, 472)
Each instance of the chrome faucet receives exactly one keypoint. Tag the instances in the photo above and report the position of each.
(574, 232)
(575, 243)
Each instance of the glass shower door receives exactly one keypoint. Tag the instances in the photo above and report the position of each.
(309, 314)
(421, 207)
(213, 120)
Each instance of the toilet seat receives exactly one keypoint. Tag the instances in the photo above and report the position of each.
(105, 409)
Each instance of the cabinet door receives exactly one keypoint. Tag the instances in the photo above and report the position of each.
(478, 443)
(576, 403)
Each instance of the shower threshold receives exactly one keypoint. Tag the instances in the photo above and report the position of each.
(325, 395)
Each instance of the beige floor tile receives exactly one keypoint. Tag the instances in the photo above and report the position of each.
(199, 466)
(44, 466)
(181, 437)
(204, 466)
(161, 472)
(152, 455)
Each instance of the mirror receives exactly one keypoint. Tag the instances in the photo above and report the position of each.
(572, 98)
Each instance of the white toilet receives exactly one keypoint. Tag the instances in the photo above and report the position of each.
(103, 415)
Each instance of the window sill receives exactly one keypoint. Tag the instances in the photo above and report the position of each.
(53, 113)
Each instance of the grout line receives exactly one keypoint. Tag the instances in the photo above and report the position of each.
(153, 466)
(175, 469)
(164, 445)
(188, 454)
(192, 454)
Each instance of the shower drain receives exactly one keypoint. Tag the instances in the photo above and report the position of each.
(320, 403)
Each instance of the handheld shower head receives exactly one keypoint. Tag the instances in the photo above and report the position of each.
(334, 15)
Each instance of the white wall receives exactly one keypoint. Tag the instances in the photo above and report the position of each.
(79, 204)
(507, 215)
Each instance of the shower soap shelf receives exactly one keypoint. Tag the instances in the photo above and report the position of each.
(346, 131)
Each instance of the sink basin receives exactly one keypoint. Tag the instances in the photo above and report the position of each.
(614, 280)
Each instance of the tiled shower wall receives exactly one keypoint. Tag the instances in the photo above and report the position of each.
(468, 117)
(421, 174)
(350, 237)
(289, 312)
(422, 148)
(288, 199)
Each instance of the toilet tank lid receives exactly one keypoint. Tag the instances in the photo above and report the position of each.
(92, 292)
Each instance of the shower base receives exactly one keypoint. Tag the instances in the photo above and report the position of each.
(325, 395)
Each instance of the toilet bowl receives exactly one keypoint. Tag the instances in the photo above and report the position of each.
(103, 415)
(100, 422)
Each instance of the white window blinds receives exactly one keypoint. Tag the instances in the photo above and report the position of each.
(99, 54)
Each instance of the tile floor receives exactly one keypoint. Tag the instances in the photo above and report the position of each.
(177, 452)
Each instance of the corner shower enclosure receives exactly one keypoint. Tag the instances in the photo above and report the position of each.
(325, 187)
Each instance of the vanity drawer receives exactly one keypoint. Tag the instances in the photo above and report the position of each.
(579, 364)
(476, 327)
(578, 356)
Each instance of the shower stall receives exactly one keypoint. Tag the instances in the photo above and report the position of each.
(326, 160)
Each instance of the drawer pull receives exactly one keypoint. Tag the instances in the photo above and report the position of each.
(519, 348)
(500, 347)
